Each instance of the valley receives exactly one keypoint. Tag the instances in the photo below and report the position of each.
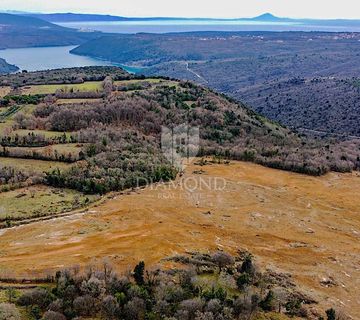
(301, 80)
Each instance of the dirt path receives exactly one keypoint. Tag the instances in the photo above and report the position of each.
(307, 226)
(195, 73)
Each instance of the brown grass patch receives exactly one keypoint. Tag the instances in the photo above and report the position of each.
(307, 226)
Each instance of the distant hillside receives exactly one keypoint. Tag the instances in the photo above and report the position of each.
(74, 17)
(23, 31)
(17, 21)
(275, 73)
(7, 68)
(320, 104)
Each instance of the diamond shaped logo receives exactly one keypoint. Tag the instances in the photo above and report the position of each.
(180, 144)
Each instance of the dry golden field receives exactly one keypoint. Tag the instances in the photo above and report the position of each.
(306, 226)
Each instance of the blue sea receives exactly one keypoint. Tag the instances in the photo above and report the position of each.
(45, 58)
(164, 26)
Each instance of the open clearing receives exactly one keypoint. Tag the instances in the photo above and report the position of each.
(39, 201)
(307, 226)
(61, 149)
(46, 133)
(52, 88)
(33, 165)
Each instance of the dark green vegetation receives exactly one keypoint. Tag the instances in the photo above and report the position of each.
(110, 139)
(203, 287)
(303, 80)
(19, 31)
(7, 68)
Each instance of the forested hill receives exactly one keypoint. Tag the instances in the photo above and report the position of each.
(116, 119)
(23, 31)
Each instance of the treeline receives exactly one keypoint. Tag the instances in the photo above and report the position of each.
(235, 289)
(21, 99)
(64, 76)
(33, 139)
(12, 178)
(79, 94)
(47, 153)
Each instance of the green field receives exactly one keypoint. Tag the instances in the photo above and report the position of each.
(52, 88)
(33, 165)
(39, 201)
(46, 133)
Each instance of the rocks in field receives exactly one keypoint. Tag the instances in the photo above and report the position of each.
(328, 282)
(298, 245)
(20, 195)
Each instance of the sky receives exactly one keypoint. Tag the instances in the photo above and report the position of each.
(323, 9)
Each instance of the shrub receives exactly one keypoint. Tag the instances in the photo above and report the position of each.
(9, 312)
(222, 259)
(268, 304)
(52, 315)
(139, 273)
(331, 314)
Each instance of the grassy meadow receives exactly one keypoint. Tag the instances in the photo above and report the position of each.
(40, 201)
(52, 88)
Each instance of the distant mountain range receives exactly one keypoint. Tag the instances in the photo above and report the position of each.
(18, 31)
(267, 17)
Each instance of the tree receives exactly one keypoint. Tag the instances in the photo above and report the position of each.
(243, 281)
(135, 309)
(247, 265)
(268, 304)
(10, 294)
(293, 307)
(139, 273)
(9, 312)
(192, 306)
(52, 315)
(331, 314)
(84, 305)
(222, 259)
(39, 297)
(109, 307)
(35, 312)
